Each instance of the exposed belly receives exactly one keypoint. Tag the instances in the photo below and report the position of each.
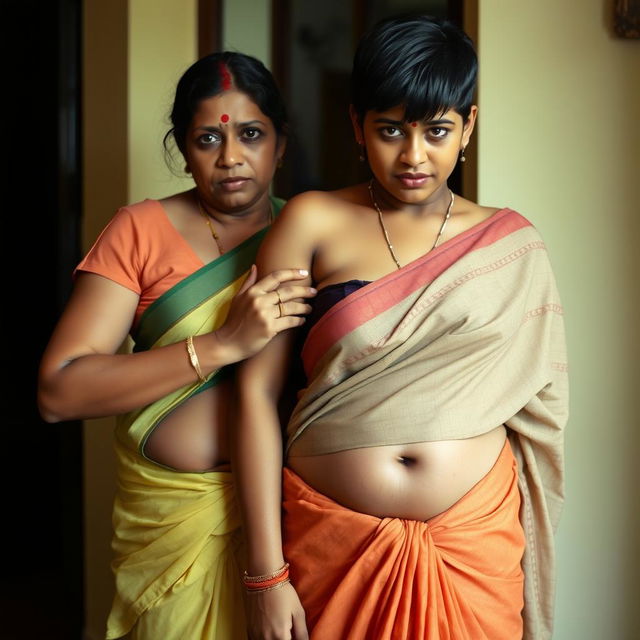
(194, 437)
(413, 481)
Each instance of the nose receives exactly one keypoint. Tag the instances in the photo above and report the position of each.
(230, 153)
(414, 152)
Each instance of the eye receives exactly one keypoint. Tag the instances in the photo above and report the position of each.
(252, 133)
(438, 132)
(208, 139)
(390, 132)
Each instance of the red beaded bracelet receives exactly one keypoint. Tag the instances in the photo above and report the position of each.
(267, 581)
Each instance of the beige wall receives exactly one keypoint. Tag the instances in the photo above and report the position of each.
(162, 44)
(247, 28)
(559, 141)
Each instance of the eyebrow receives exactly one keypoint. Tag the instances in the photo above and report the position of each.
(398, 123)
(238, 125)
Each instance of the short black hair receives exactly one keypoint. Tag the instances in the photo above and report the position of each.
(206, 78)
(427, 64)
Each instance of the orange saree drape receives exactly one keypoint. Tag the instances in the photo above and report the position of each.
(457, 576)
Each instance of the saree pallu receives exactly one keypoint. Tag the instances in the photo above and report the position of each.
(176, 534)
(450, 346)
(455, 577)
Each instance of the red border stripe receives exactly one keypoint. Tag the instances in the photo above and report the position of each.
(380, 295)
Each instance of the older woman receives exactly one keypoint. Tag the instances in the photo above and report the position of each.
(177, 275)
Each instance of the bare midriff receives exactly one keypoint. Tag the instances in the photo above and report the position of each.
(413, 481)
(194, 437)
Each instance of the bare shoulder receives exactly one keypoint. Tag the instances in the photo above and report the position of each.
(468, 213)
(315, 212)
(313, 201)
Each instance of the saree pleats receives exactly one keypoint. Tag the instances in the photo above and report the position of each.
(176, 554)
(455, 577)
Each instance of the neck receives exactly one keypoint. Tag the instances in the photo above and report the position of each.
(258, 212)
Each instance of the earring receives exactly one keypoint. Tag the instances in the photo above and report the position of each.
(362, 156)
(462, 158)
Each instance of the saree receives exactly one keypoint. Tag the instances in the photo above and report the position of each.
(177, 534)
(367, 578)
(464, 339)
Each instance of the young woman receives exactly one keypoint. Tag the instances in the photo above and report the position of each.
(177, 275)
(423, 473)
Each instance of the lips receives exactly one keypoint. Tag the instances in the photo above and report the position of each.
(233, 183)
(413, 180)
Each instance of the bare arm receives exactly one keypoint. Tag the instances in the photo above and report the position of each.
(82, 376)
(257, 442)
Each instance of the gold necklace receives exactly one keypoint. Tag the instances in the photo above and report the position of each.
(447, 215)
(207, 218)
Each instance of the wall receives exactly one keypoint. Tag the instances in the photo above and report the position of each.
(134, 53)
(162, 44)
(247, 28)
(559, 141)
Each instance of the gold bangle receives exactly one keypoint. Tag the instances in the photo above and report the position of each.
(193, 359)
(267, 576)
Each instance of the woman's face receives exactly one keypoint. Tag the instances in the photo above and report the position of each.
(232, 150)
(412, 160)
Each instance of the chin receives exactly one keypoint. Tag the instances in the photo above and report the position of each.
(236, 200)
(413, 196)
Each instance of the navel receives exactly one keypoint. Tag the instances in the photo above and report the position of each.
(407, 461)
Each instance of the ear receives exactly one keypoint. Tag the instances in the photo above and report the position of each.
(469, 125)
(357, 125)
(281, 147)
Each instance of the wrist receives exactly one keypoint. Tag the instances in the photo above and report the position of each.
(264, 566)
(224, 348)
(214, 351)
(268, 581)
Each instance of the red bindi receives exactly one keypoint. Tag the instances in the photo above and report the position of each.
(225, 76)
(414, 124)
(224, 118)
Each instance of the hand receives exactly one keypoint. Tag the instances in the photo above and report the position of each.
(276, 615)
(262, 309)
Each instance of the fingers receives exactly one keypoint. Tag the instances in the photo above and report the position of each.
(276, 278)
(292, 309)
(292, 292)
(287, 322)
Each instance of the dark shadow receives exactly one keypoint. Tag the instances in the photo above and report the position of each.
(41, 592)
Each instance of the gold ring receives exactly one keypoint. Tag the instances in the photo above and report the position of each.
(279, 303)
